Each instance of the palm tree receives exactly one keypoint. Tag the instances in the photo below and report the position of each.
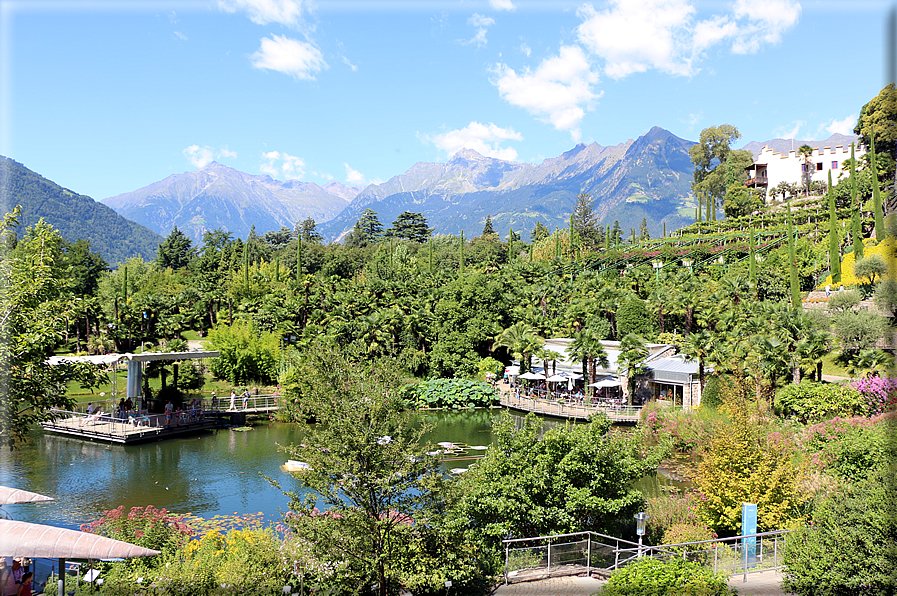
(522, 341)
(631, 359)
(700, 346)
(588, 348)
(805, 152)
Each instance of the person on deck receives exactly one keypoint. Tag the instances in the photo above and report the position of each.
(245, 398)
(233, 399)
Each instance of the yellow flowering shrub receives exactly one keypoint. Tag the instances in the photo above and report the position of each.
(886, 249)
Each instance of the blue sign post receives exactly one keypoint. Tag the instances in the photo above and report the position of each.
(748, 527)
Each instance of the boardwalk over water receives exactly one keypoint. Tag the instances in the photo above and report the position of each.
(578, 411)
(149, 427)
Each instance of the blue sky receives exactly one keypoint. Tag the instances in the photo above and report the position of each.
(105, 97)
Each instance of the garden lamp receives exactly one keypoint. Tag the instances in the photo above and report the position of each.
(641, 520)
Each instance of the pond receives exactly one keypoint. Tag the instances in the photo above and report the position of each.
(215, 473)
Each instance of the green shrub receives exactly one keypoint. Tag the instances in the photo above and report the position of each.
(687, 532)
(848, 547)
(812, 402)
(666, 511)
(650, 577)
(710, 397)
(850, 449)
(449, 393)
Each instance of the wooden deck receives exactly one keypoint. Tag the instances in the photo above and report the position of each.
(112, 430)
(546, 407)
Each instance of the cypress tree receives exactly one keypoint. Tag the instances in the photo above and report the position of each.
(834, 242)
(277, 269)
(856, 222)
(246, 264)
(664, 230)
(876, 195)
(698, 216)
(298, 257)
(461, 254)
(510, 245)
(125, 289)
(572, 246)
(531, 253)
(752, 271)
(792, 264)
(711, 202)
(430, 250)
(607, 238)
(557, 244)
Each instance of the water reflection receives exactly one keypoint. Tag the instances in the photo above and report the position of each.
(216, 473)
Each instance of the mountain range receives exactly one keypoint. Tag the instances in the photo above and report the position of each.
(76, 216)
(645, 178)
(221, 197)
(649, 177)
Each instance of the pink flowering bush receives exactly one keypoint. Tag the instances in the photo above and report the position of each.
(674, 516)
(850, 448)
(684, 430)
(879, 394)
(144, 526)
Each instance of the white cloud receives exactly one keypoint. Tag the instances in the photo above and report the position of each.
(766, 20)
(485, 139)
(277, 164)
(559, 91)
(180, 36)
(298, 59)
(353, 176)
(200, 157)
(525, 50)
(502, 5)
(634, 36)
(789, 131)
(844, 127)
(346, 61)
(262, 12)
(482, 24)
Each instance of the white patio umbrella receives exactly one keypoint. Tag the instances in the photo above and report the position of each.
(556, 378)
(13, 496)
(531, 376)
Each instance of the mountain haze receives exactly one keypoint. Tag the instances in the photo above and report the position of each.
(219, 196)
(649, 177)
(76, 216)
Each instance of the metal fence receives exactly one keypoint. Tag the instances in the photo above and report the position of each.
(736, 555)
(580, 552)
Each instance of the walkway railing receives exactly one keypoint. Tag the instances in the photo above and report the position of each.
(528, 558)
(736, 555)
(564, 409)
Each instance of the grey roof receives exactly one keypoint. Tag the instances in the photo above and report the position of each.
(675, 365)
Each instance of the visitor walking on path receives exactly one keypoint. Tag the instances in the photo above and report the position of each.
(25, 586)
(245, 398)
(233, 399)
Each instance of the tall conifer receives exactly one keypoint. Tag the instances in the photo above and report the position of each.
(834, 242)
(856, 222)
(876, 195)
(792, 264)
(461, 253)
(752, 271)
(298, 257)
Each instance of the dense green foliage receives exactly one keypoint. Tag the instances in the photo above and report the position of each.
(572, 478)
(848, 547)
(675, 577)
(247, 356)
(811, 402)
(449, 393)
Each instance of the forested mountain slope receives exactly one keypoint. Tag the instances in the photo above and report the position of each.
(75, 216)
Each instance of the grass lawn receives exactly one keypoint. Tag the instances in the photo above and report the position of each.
(830, 368)
(104, 392)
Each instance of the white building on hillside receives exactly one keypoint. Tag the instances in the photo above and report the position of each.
(771, 167)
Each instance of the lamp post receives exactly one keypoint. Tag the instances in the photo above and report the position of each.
(641, 520)
(658, 265)
(687, 263)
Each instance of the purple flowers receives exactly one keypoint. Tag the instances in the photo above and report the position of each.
(880, 394)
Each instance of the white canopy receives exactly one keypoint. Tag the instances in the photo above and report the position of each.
(512, 371)
(606, 382)
(556, 379)
(531, 376)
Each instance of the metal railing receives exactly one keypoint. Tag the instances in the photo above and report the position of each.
(564, 409)
(752, 553)
(527, 558)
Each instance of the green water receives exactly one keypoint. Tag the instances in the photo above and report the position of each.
(216, 473)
